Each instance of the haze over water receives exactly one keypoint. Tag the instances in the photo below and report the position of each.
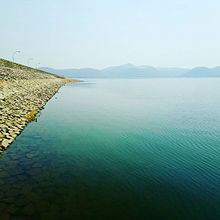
(123, 149)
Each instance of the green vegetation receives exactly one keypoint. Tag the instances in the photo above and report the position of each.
(31, 115)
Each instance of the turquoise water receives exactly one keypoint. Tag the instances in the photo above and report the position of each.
(118, 149)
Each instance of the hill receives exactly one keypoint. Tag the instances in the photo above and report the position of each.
(132, 71)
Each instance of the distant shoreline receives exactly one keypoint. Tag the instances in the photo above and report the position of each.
(132, 72)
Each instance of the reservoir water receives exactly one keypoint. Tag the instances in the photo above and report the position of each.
(118, 149)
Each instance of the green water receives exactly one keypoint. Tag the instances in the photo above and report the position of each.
(118, 149)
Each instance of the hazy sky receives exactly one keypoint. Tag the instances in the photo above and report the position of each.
(100, 33)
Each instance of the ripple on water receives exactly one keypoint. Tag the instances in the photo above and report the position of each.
(144, 154)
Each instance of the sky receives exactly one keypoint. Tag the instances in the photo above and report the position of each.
(101, 33)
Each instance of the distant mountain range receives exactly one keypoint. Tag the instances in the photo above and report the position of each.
(132, 71)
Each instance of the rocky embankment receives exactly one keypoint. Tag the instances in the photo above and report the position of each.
(23, 93)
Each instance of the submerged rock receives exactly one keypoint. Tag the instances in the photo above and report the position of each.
(28, 210)
(31, 155)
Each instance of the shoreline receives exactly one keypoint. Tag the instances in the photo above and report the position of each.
(23, 93)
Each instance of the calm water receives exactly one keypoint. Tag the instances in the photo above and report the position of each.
(118, 149)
